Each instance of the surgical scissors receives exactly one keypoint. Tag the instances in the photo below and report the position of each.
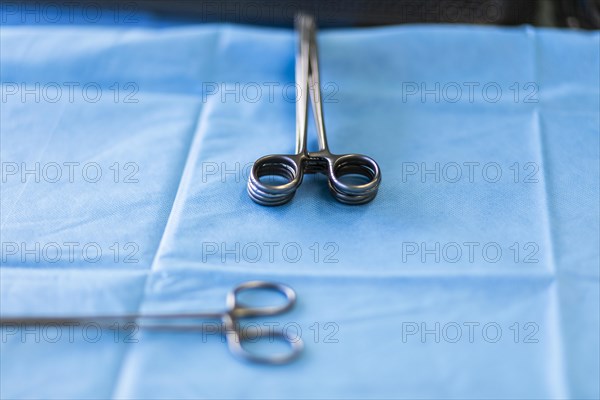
(292, 167)
(235, 334)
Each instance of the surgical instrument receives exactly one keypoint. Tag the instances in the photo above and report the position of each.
(293, 167)
(235, 311)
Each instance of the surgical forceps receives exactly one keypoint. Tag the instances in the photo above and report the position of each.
(235, 334)
(293, 167)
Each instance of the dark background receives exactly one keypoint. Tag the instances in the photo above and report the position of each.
(584, 14)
